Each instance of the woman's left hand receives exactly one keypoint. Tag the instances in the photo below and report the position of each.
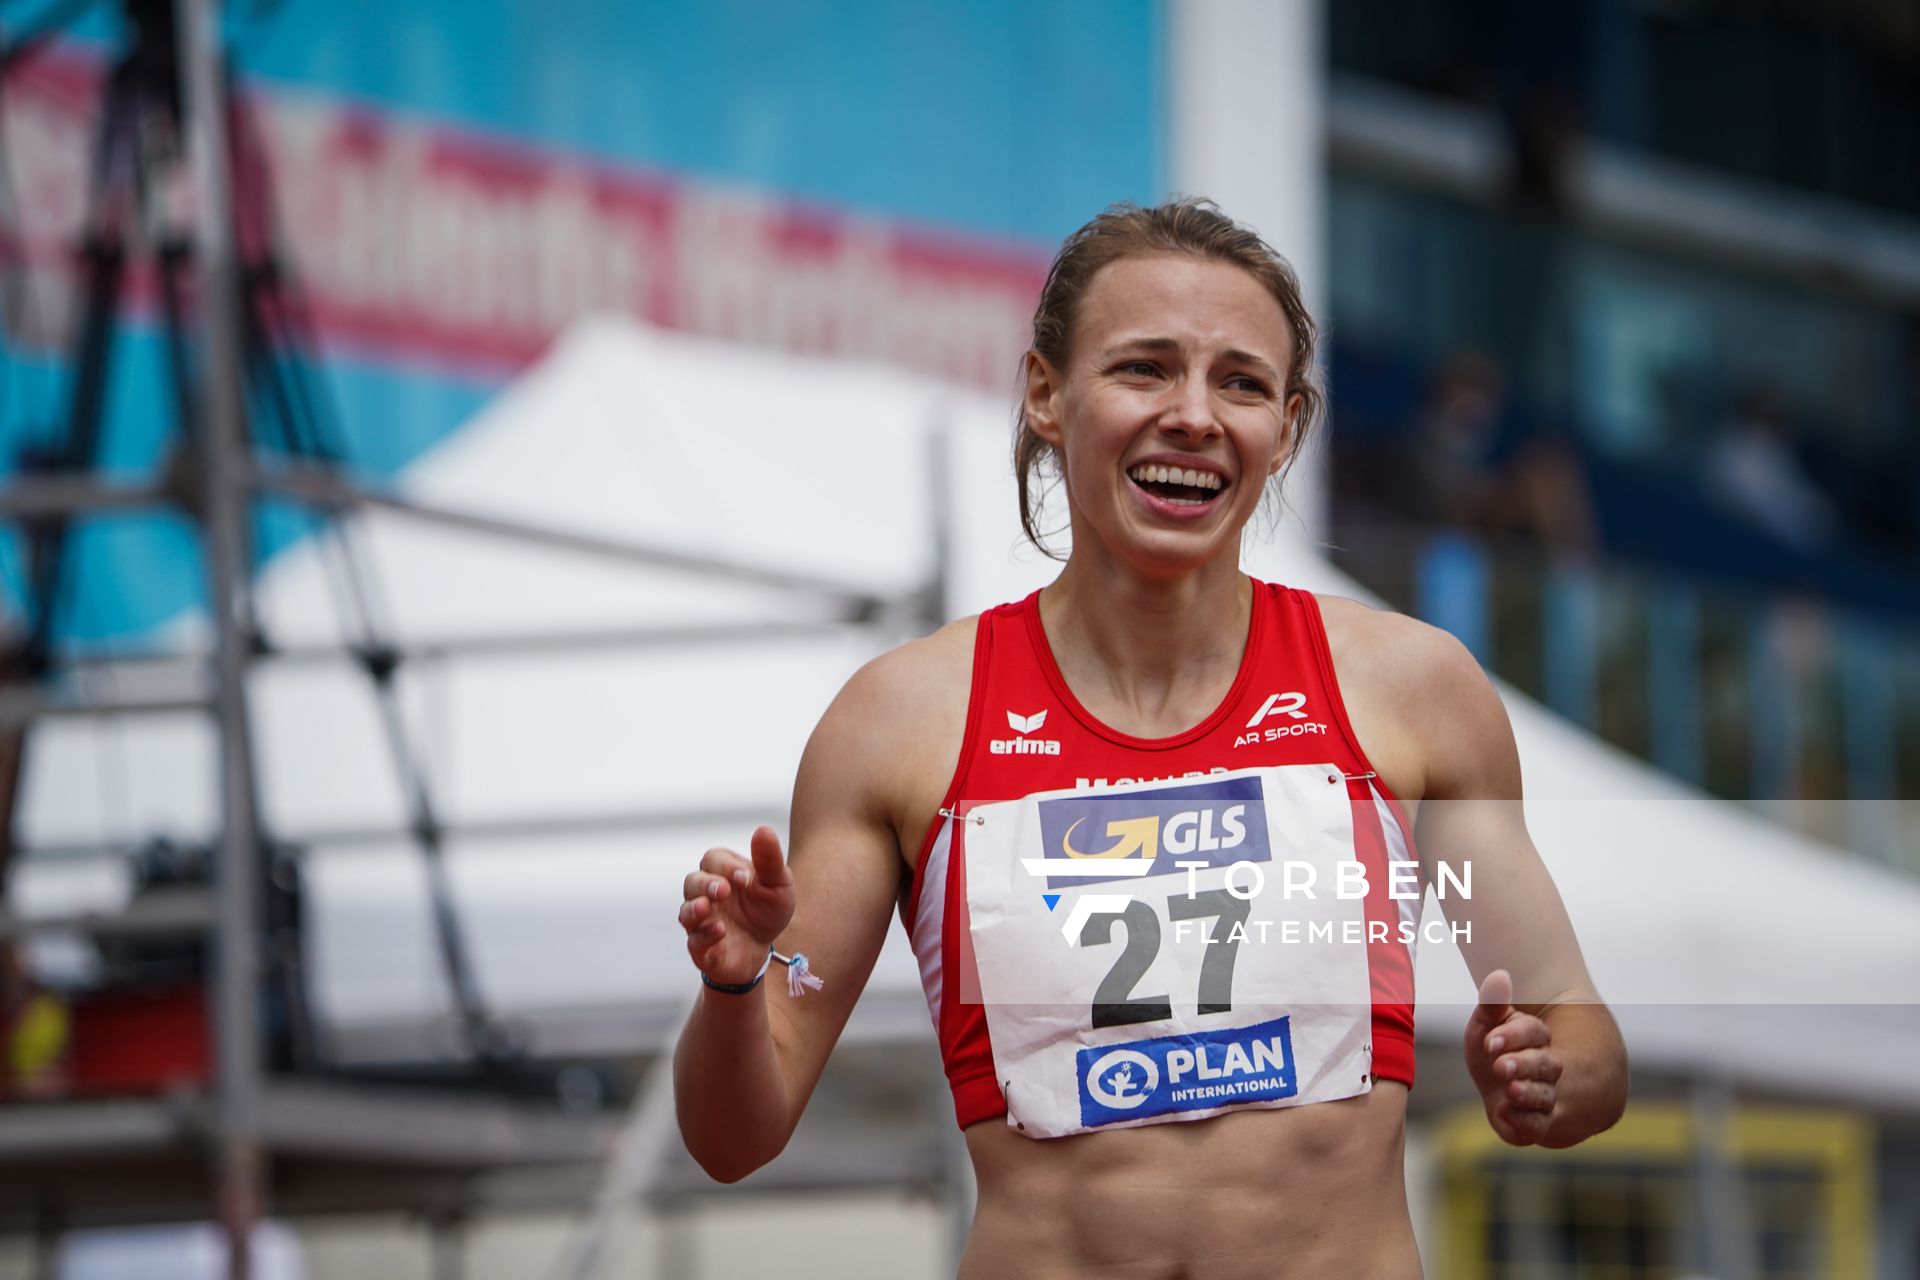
(1511, 1058)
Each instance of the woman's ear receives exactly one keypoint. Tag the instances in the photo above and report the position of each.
(1289, 434)
(1041, 404)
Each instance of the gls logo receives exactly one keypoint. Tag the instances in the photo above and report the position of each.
(1213, 822)
(1291, 705)
(1023, 745)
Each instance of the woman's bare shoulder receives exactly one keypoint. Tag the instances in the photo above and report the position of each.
(1413, 692)
(1383, 647)
(915, 682)
(895, 730)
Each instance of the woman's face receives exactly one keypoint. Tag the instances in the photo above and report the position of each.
(1171, 412)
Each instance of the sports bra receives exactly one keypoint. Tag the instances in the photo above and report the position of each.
(1026, 733)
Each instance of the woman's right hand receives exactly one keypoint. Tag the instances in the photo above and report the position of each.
(735, 908)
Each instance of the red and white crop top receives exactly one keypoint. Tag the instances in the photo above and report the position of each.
(1027, 733)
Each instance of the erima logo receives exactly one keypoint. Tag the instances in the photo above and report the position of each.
(1191, 1071)
(1213, 822)
(1023, 745)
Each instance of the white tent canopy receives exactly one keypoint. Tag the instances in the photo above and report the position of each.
(1730, 947)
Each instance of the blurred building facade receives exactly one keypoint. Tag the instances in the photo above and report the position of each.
(1636, 287)
(1676, 245)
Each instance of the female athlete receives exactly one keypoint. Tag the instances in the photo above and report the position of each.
(1113, 818)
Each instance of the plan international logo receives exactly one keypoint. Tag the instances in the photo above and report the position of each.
(1198, 1071)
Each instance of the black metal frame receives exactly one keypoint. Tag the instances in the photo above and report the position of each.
(141, 130)
(254, 339)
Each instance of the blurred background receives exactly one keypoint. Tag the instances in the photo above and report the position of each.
(453, 451)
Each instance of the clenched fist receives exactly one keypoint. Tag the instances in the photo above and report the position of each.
(1511, 1057)
(736, 907)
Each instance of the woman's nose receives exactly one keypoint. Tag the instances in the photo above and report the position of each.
(1191, 412)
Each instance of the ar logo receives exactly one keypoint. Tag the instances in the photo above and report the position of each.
(1280, 704)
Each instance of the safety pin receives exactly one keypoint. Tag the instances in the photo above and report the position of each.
(977, 820)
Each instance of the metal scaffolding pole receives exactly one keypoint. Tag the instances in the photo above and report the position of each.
(328, 489)
(333, 1144)
(220, 438)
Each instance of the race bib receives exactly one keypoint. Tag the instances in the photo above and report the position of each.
(1171, 950)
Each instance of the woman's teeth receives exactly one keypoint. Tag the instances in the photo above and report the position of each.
(1176, 475)
(1202, 484)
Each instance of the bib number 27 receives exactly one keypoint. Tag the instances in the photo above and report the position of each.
(1115, 1005)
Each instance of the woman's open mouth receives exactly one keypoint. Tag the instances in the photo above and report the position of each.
(1177, 487)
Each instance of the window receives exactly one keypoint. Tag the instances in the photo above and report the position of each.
(1633, 1202)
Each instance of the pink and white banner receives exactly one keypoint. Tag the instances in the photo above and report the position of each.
(416, 241)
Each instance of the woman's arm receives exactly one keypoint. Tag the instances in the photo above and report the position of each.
(746, 1064)
(729, 1086)
(1541, 1047)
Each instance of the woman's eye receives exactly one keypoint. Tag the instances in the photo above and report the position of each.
(1142, 368)
(1251, 385)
